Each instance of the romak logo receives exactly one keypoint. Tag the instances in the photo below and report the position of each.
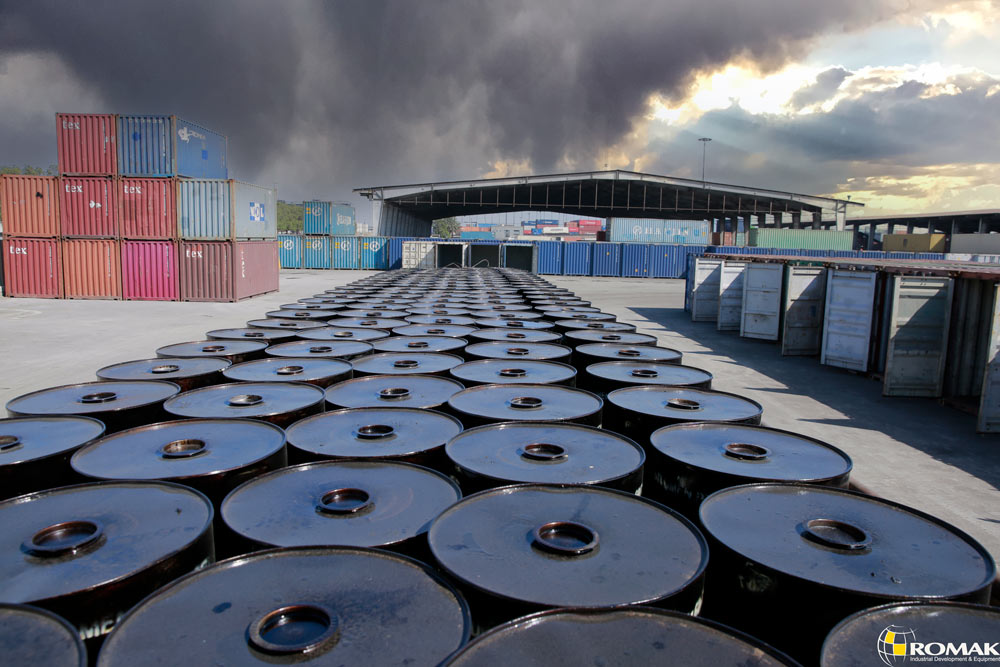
(897, 645)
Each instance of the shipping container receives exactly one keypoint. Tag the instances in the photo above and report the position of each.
(316, 252)
(607, 259)
(213, 209)
(87, 144)
(290, 251)
(419, 255)
(344, 220)
(169, 146)
(577, 258)
(227, 271)
(475, 235)
(977, 244)
(654, 230)
(147, 208)
(373, 253)
(316, 218)
(29, 205)
(396, 251)
(344, 252)
(635, 260)
(523, 256)
(88, 207)
(671, 261)
(32, 267)
(556, 230)
(92, 269)
(149, 271)
(814, 239)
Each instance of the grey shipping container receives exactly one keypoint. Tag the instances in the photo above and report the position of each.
(215, 209)
(655, 230)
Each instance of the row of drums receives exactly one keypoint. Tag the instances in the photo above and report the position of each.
(379, 473)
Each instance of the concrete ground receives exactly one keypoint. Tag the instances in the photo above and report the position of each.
(913, 451)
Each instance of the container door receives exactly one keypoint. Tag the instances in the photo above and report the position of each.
(805, 299)
(848, 319)
(989, 401)
(730, 296)
(705, 290)
(761, 301)
(918, 336)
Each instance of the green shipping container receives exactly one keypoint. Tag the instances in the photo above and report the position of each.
(802, 239)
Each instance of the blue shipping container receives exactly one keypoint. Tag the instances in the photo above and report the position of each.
(373, 252)
(213, 210)
(290, 251)
(395, 251)
(345, 252)
(162, 146)
(481, 236)
(550, 258)
(344, 220)
(671, 261)
(577, 258)
(607, 259)
(316, 254)
(328, 219)
(655, 230)
(635, 260)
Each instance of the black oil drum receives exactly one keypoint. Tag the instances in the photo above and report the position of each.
(32, 636)
(380, 434)
(578, 337)
(437, 320)
(506, 315)
(689, 462)
(406, 363)
(213, 456)
(311, 304)
(438, 312)
(606, 376)
(497, 306)
(327, 302)
(280, 403)
(315, 371)
(344, 334)
(566, 326)
(518, 325)
(511, 336)
(452, 330)
(393, 391)
(374, 314)
(286, 325)
(441, 344)
(270, 336)
(35, 451)
(321, 606)
(185, 372)
(118, 404)
(544, 453)
(521, 549)
(236, 351)
(90, 552)
(638, 411)
(579, 315)
(515, 351)
(508, 371)
(629, 636)
(564, 308)
(380, 504)
(383, 323)
(312, 349)
(315, 315)
(492, 403)
(909, 629)
(781, 549)
(594, 353)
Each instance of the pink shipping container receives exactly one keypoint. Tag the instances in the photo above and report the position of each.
(226, 270)
(32, 268)
(29, 205)
(149, 270)
(92, 269)
(88, 207)
(87, 144)
(147, 208)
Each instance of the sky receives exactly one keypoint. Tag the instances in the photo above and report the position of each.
(895, 103)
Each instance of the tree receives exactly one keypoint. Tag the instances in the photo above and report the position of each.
(446, 228)
(289, 217)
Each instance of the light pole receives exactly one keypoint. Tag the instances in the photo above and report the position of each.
(704, 149)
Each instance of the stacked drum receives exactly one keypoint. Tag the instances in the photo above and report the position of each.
(381, 472)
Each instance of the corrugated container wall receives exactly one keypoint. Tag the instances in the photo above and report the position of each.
(317, 217)
(811, 239)
(29, 205)
(147, 208)
(316, 252)
(550, 256)
(671, 261)
(607, 259)
(914, 242)
(344, 253)
(635, 260)
(149, 270)
(32, 267)
(655, 230)
(88, 207)
(206, 270)
(256, 268)
(976, 244)
(344, 220)
(170, 146)
(396, 251)
(203, 209)
(290, 251)
(373, 253)
(419, 255)
(92, 269)
(577, 258)
(86, 144)
(255, 211)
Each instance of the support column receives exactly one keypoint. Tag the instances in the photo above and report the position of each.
(817, 219)
(982, 226)
(909, 228)
(777, 220)
(871, 235)
(892, 227)
(796, 219)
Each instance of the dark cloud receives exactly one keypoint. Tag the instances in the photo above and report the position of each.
(325, 96)
(827, 83)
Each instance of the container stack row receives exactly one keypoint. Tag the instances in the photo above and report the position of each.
(334, 252)
(142, 209)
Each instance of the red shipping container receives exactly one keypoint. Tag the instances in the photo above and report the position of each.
(226, 270)
(87, 144)
(32, 268)
(29, 205)
(149, 270)
(147, 208)
(92, 269)
(88, 207)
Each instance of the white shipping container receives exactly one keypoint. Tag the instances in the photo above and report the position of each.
(555, 230)
(419, 255)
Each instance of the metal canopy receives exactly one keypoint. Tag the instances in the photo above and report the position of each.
(949, 222)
